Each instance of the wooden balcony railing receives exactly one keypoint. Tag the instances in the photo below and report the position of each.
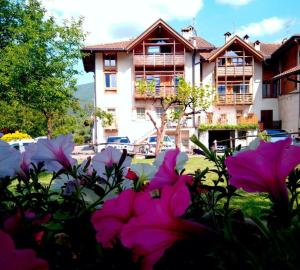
(234, 99)
(235, 70)
(159, 91)
(162, 59)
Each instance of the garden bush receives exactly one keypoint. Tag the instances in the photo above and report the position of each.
(107, 213)
(15, 136)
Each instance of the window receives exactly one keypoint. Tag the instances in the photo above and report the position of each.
(240, 89)
(110, 61)
(110, 80)
(156, 80)
(112, 111)
(140, 113)
(153, 49)
(159, 111)
(221, 89)
(239, 113)
(269, 90)
(242, 134)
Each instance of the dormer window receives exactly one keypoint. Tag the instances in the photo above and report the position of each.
(110, 61)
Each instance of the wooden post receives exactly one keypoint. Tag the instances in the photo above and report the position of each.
(144, 53)
(174, 71)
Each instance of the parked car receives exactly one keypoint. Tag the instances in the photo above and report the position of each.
(120, 143)
(150, 145)
(276, 135)
(20, 144)
(221, 148)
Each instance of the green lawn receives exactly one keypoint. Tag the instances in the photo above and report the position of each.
(194, 163)
(251, 203)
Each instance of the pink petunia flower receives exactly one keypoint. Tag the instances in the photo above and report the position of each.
(56, 153)
(166, 174)
(159, 226)
(107, 158)
(116, 212)
(264, 169)
(10, 160)
(13, 259)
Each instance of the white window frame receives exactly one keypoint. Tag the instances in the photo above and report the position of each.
(110, 81)
(139, 114)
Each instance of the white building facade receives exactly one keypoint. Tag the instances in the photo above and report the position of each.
(161, 55)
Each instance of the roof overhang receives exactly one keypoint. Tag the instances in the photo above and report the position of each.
(88, 59)
(286, 74)
(295, 39)
(236, 39)
(167, 27)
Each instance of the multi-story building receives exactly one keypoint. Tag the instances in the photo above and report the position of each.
(285, 81)
(241, 72)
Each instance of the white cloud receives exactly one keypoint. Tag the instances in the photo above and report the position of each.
(234, 2)
(104, 20)
(265, 27)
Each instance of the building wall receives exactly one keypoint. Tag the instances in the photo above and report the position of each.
(128, 124)
(260, 103)
(288, 59)
(188, 67)
(289, 112)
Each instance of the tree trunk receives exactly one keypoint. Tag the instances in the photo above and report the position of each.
(49, 126)
(161, 133)
(178, 135)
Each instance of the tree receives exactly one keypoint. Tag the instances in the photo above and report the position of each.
(188, 100)
(80, 122)
(17, 117)
(38, 59)
(192, 100)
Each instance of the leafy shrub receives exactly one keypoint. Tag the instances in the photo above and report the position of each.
(15, 136)
(78, 139)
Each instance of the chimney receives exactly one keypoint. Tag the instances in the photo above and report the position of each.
(227, 36)
(188, 32)
(257, 45)
(246, 38)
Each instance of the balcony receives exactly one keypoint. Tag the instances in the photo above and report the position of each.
(161, 59)
(235, 65)
(159, 92)
(235, 70)
(234, 99)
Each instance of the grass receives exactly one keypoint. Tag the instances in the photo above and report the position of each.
(194, 163)
(252, 204)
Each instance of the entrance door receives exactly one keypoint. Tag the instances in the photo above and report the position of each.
(267, 118)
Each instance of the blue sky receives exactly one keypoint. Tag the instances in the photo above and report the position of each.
(106, 21)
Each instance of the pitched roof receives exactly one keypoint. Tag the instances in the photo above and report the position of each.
(206, 55)
(237, 39)
(267, 49)
(291, 71)
(114, 46)
(159, 22)
(201, 43)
